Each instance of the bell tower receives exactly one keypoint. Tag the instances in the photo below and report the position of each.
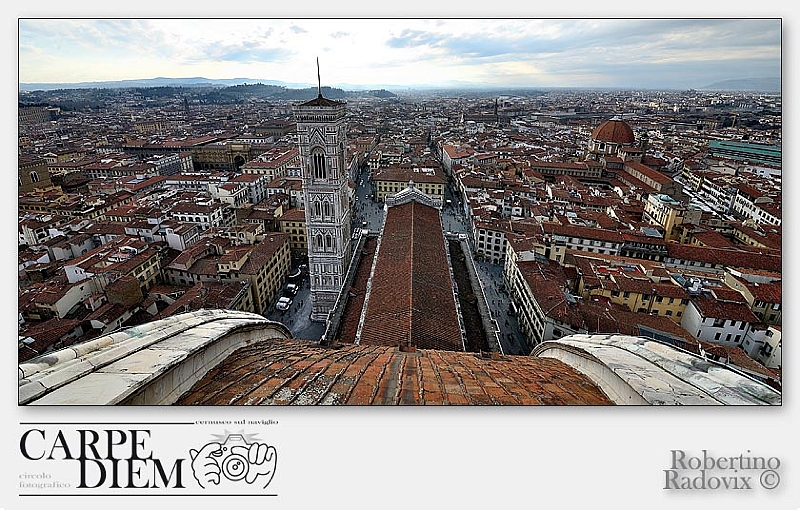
(322, 144)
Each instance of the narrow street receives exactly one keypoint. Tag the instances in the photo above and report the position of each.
(490, 275)
(298, 317)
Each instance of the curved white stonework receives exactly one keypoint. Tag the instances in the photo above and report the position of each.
(636, 370)
(151, 364)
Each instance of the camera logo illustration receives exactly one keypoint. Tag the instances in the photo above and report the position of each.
(234, 461)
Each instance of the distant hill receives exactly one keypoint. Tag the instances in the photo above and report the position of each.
(155, 82)
(746, 85)
(230, 87)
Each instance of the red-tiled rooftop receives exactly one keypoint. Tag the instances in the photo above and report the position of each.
(290, 372)
(357, 293)
(614, 130)
(411, 300)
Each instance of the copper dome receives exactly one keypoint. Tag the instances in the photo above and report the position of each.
(614, 130)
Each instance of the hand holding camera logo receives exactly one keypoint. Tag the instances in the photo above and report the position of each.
(234, 460)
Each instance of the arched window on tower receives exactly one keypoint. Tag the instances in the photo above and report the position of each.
(326, 209)
(317, 210)
(328, 242)
(34, 177)
(318, 241)
(318, 164)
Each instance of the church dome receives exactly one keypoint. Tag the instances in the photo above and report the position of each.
(614, 130)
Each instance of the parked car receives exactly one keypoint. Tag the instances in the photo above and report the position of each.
(290, 289)
(296, 276)
(283, 303)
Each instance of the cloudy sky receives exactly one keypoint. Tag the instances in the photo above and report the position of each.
(634, 53)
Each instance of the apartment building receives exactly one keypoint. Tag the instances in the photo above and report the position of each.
(205, 212)
(541, 301)
(456, 155)
(273, 163)
(125, 256)
(233, 193)
(54, 298)
(293, 224)
(227, 295)
(291, 186)
(265, 265)
(257, 186)
(719, 315)
(669, 214)
(638, 286)
(763, 294)
(393, 179)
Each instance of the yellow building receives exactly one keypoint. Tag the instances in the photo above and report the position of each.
(273, 163)
(293, 224)
(32, 173)
(629, 283)
(225, 155)
(394, 179)
(265, 265)
(669, 214)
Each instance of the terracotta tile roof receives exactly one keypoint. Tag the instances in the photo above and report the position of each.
(645, 170)
(45, 334)
(767, 292)
(405, 174)
(581, 232)
(711, 238)
(287, 372)
(357, 293)
(294, 214)
(737, 357)
(548, 283)
(614, 130)
(411, 300)
(710, 307)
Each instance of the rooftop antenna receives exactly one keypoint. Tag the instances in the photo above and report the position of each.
(319, 80)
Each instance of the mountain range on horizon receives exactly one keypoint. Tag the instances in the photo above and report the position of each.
(765, 84)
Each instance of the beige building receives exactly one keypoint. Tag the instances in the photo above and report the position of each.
(225, 155)
(265, 265)
(630, 283)
(33, 173)
(764, 295)
(293, 224)
(273, 163)
(394, 179)
(669, 214)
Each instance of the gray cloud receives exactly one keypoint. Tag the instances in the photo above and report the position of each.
(244, 51)
(412, 38)
(639, 52)
(647, 52)
(639, 36)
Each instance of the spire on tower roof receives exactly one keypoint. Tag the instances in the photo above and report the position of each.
(319, 80)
